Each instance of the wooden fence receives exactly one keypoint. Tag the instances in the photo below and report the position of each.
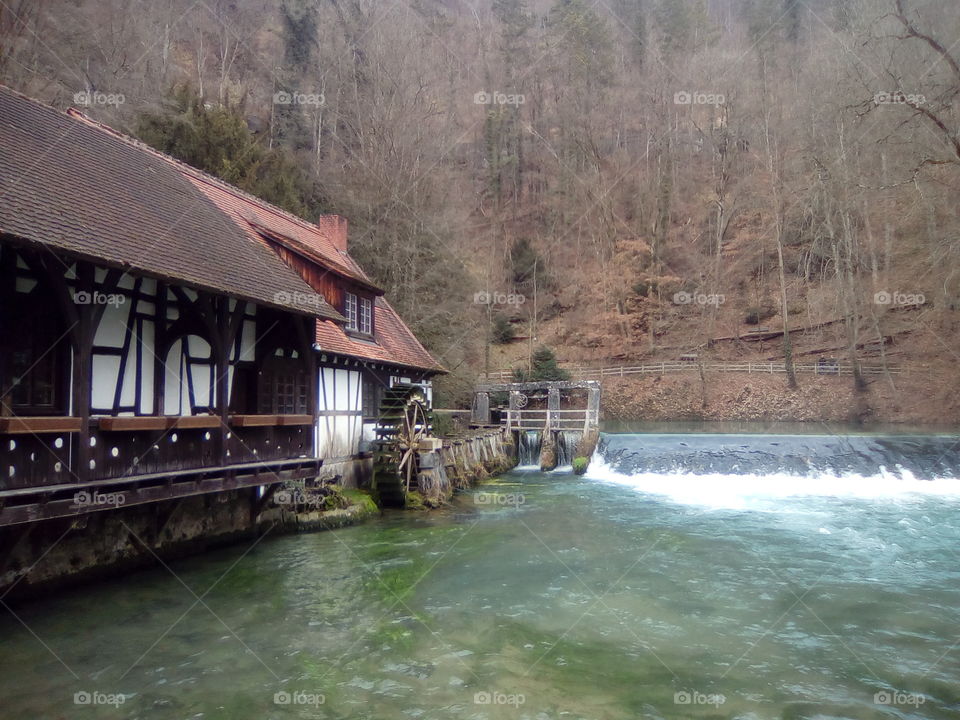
(527, 419)
(671, 366)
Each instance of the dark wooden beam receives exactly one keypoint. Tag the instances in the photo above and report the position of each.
(259, 505)
(180, 485)
(160, 349)
(8, 266)
(163, 516)
(13, 539)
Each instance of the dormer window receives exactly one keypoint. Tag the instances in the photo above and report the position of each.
(366, 316)
(351, 312)
(359, 314)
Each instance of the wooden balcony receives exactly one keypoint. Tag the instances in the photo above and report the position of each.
(187, 455)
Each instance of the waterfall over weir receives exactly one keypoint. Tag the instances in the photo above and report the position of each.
(762, 471)
(531, 446)
(566, 446)
(531, 442)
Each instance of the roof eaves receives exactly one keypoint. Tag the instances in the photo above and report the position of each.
(312, 255)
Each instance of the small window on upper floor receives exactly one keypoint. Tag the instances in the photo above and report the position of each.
(366, 316)
(359, 314)
(350, 310)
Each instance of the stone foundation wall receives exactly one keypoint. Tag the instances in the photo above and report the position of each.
(462, 460)
(54, 553)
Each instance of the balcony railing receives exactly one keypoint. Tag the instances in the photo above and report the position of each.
(38, 452)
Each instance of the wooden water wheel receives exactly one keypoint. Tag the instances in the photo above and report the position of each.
(404, 420)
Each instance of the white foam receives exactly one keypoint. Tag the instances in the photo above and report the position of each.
(766, 492)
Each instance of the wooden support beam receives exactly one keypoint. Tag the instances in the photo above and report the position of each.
(39, 425)
(58, 502)
(160, 349)
(163, 516)
(13, 539)
(261, 503)
(8, 265)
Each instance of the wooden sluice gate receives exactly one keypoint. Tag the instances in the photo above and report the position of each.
(564, 415)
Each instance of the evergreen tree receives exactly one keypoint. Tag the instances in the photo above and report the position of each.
(792, 11)
(543, 366)
(216, 140)
(502, 331)
(581, 42)
(675, 25)
(292, 126)
(525, 262)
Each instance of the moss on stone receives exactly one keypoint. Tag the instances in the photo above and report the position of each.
(362, 500)
(416, 501)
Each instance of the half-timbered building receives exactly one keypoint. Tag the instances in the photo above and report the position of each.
(164, 335)
(359, 358)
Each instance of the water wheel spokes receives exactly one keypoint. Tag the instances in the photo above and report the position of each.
(404, 422)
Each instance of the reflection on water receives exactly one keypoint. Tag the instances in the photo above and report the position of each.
(544, 596)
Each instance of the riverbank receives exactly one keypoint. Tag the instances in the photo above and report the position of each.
(910, 399)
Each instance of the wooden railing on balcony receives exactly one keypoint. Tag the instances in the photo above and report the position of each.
(39, 452)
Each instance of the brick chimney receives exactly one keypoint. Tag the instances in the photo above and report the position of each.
(335, 228)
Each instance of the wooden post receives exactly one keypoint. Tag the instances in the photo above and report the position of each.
(160, 349)
(553, 404)
(85, 329)
(8, 266)
(83, 319)
(593, 408)
(306, 332)
(481, 409)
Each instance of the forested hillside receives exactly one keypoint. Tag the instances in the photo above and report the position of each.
(620, 180)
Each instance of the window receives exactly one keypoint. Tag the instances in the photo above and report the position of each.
(371, 398)
(359, 313)
(351, 311)
(284, 387)
(366, 316)
(38, 358)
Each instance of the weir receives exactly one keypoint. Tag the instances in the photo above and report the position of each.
(553, 423)
(567, 441)
(528, 449)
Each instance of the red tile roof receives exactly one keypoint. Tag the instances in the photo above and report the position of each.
(394, 343)
(73, 185)
(254, 215)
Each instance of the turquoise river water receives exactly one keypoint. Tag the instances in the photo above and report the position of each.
(686, 576)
